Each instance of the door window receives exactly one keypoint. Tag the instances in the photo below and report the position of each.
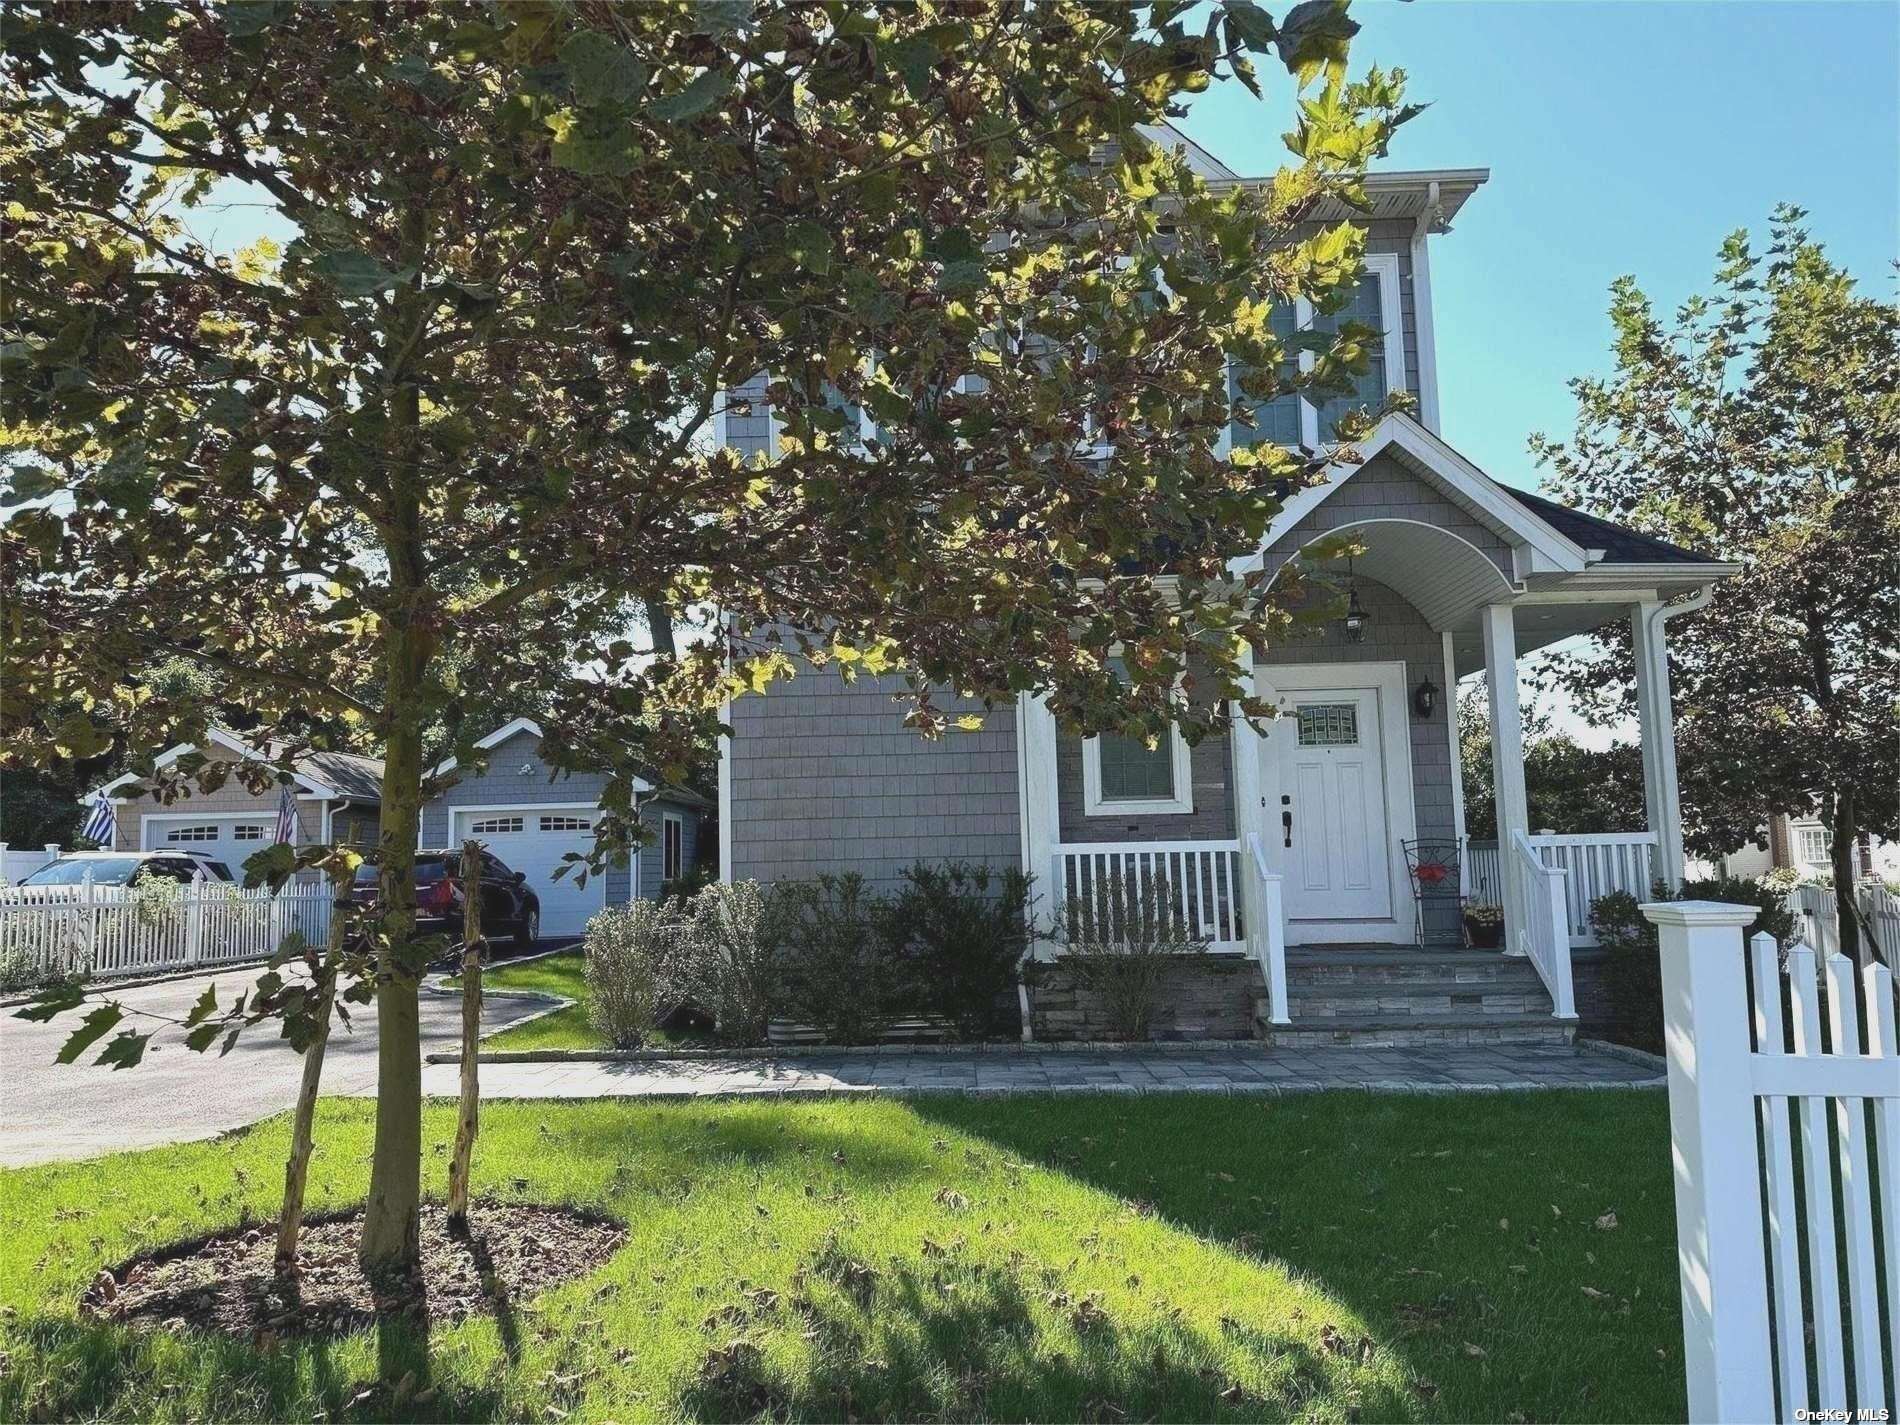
(1329, 724)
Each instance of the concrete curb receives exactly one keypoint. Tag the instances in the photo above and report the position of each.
(1629, 1055)
(1006, 1048)
(1282, 1088)
(98, 987)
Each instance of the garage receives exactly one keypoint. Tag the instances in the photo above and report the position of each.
(229, 839)
(535, 840)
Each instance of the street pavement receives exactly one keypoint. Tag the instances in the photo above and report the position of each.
(51, 1111)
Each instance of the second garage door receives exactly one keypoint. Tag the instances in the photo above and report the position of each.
(533, 840)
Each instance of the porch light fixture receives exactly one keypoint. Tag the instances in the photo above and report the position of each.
(1356, 616)
(1425, 697)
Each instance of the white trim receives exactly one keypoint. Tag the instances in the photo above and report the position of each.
(725, 793)
(230, 741)
(1535, 543)
(1428, 412)
(494, 739)
(458, 809)
(1386, 680)
(1385, 267)
(1450, 696)
(672, 818)
(1180, 804)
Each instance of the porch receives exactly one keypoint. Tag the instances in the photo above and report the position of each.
(1295, 846)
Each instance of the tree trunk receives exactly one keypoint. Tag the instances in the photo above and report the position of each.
(297, 1169)
(472, 949)
(391, 1226)
(660, 629)
(1843, 832)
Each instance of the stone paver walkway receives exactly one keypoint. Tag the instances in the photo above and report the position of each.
(1240, 1070)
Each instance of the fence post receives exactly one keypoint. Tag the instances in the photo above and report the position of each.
(194, 920)
(1725, 1326)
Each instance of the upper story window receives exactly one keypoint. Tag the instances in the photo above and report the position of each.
(1123, 775)
(1293, 420)
(1811, 843)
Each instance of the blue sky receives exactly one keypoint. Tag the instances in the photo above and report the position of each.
(1621, 137)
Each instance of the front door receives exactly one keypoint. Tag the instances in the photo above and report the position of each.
(1335, 849)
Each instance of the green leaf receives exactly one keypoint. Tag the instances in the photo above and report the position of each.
(357, 274)
(203, 1037)
(706, 89)
(601, 70)
(125, 1051)
(809, 245)
(243, 18)
(76, 737)
(205, 1006)
(1249, 24)
(1315, 35)
(48, 1004)
(91, 1029)
(721, 17)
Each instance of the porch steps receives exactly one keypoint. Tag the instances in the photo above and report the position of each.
(1395, 997)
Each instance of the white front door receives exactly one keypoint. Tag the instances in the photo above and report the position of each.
(1327, 814)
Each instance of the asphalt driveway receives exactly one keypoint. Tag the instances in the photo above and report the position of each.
(51, 1111)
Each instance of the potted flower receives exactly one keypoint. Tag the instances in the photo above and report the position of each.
(1484, 923)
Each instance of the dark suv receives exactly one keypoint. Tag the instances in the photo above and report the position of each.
(508, 906)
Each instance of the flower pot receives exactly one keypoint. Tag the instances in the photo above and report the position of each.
(1485, 935)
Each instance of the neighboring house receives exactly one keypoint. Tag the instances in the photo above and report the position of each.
(1458, 574)
(336, 795)
(1801, 844)
(534, 816)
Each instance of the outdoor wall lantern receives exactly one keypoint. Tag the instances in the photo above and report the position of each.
(1425, 697)
(1356, 616)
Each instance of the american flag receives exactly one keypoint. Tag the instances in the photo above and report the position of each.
(99, 822)
(287, 819)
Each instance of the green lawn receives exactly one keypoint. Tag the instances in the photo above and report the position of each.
(564, 975)
(1100, 1258)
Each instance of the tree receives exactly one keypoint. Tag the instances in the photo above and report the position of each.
(1571, 788)
(468, 406)
(1763, 423)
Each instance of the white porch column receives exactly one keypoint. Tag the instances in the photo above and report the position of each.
(1661, 800)
(1036, 772)
(1507, 757)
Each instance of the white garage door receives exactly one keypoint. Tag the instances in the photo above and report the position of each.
(532, 840)
(223, 838)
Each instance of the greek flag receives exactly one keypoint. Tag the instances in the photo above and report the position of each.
(99, 822)
(287, 819)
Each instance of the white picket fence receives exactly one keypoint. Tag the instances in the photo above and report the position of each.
(1817, 918)
(1780, 1290)
(104, 932)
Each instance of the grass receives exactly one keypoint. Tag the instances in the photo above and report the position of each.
(565, 975)
(1179, 1258)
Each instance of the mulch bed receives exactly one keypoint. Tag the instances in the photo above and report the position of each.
(226, 1283)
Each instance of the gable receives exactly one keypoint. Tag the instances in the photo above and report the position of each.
(1383, 489)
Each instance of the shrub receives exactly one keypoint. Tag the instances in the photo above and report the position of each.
(633, 952)
(725, 971)
(833, 963)
(1121, 935)
(1633, 967)
(963, 929)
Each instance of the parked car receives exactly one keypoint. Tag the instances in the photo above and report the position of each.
(508, 906)
(128, 868)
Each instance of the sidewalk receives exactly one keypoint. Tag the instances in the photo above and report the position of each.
(1126, 1072)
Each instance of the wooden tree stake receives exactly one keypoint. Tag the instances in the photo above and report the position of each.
(297, 1168)
(472, 947)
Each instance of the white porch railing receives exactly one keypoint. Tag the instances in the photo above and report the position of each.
(107, 931)
(1543, 933)
(1595, 864)
(1756, 1092)
(1203, 878)
(1270, 939)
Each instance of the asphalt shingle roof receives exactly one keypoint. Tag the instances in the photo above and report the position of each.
(1619, 545)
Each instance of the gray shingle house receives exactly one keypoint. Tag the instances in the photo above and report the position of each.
(1289, 848)
(533, 816)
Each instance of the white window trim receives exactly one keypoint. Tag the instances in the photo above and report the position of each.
(1180, 804)
(1384, 266)
(1801, 835)
(668, 821)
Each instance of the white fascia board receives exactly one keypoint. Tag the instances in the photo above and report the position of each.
(312, 788)
(494, 739)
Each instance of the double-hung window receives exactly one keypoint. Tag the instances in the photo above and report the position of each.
(1290, 419)
(1124, 775)
(672, 846)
